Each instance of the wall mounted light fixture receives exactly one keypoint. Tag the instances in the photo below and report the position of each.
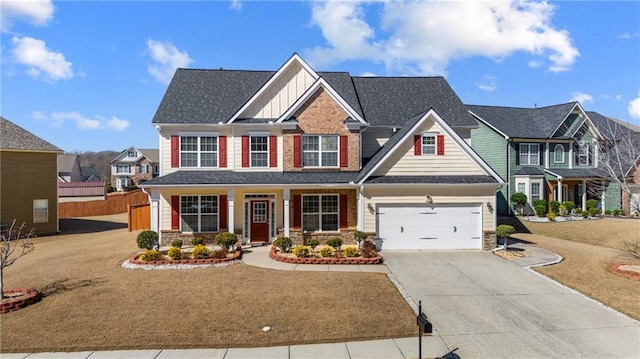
(429, 199)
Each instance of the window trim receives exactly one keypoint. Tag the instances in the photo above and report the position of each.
(319, 151)
(198, 151)
(321, 212)
(123, 166)
(265, 152)
(199, 213)
(424, 146)
(558, 149)
(528, 154)
(40, 215)
(587, 148)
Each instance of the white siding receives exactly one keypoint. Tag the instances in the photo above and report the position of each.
(439, 194)
(404, 162)
(373, 138)
(282, 93)
(235, 150)
(165, 144)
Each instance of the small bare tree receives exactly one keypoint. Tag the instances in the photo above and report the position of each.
(15, 244)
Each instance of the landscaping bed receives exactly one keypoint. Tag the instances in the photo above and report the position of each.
(234, 256)
(15, 299)
(277, 255)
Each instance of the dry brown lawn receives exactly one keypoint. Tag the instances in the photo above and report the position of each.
(92, 303)
(589, 249)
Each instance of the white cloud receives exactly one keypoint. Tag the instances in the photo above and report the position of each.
(368, 74)
(36, 12)
(34, 54)
(634, 107)
(534, 64)
(82, 122)
(619, 97)
(167, 58)
(487, 83)
(235, 5)
(581, 97)
(423, 37)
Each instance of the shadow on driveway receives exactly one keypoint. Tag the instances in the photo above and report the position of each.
(80, 225)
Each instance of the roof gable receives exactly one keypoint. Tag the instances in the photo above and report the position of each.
(14, 137)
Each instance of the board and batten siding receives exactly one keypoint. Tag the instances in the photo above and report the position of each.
(439, 194)
(373, 139)
(404, 162)
(281, 94)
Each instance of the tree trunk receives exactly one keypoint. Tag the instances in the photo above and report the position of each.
(1, 284)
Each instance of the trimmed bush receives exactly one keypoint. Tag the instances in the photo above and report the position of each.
(220, 253)
(283, 243)
(607, 212)
(175, 253)
(505, 230)
(313, 242)
(177, 243)
(335, 242)
(594, 212)
(151, 255)
(197, 241)
(519, 200)
(226, 240)
(569, 206)
(540, 209)
(592, 203)
(359, 236)
(147, 239)
(301, 251)
(551, 216)
(326, 252)
(585, 214)
(554, 207)
(616, 212)
(200, 251)
(351, 252)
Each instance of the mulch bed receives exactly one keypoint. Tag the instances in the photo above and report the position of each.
(236, 255)
(276, 255)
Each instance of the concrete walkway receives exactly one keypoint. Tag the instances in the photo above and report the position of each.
(488, 344)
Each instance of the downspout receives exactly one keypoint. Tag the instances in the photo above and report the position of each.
(509, 141)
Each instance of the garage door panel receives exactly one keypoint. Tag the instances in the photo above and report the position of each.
(430, 226)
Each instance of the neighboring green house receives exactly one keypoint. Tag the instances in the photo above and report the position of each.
(546, 153)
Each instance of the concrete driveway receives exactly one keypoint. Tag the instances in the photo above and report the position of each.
(488, 307)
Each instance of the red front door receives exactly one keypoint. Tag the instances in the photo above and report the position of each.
(259, 221)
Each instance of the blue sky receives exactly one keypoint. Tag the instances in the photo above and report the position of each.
(89, 75)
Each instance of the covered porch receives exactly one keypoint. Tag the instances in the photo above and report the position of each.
(575, 185)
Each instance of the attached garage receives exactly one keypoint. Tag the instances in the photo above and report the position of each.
(430, 226)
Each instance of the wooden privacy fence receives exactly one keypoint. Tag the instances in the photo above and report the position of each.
(114, 204)
(139, 217)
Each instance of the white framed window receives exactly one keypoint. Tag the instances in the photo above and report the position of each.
(320, 213)
(429, 141)
(123, 168)
(529, 154)
(259, 151)
(40, 210)
(558, 154)
(198, 151)
(320, 151)
(144, 168)
(122, 183)
(583, 154)
(535, 191)
(156, 168)
(522, 187)
(199, 213)
(132, 154)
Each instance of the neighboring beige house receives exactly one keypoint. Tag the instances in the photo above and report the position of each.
(28, 179)
(300, 153)
(134, 166)
(69, 169)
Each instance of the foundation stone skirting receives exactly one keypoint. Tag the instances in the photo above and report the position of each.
(489, 240)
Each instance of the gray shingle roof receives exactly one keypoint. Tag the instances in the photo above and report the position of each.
(529, 171)
(151, 153)
(14, 137)
(251, 178)
(430, 180)
(576, 172)
(66, 162)
(519, 122)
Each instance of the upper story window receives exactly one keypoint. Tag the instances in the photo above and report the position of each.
(132, 154)
(320, 151)
(259, 148)
(529, 154)
(558, 154)
(198, 151)
(156, 168)
(428, 143)
(583, 155)
(123, 168)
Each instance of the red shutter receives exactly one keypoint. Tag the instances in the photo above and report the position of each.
(440, 144)
(175, 151)
(297, 151)
(343, 211)
(222, 151)
(245, 151)
(344, 151)
(175, 212)
(222, 209)
(273, 151)
(297, 211)
(417, 145)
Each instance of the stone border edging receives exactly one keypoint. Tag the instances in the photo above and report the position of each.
(31, 296)
(329, 260)
(237, 255)
(625, 273)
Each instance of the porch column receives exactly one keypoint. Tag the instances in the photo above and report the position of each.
(584, 195)
(154, 199)
(559, 199)
(360, 225)
(231, 196)
(603, 195)
(286, 194)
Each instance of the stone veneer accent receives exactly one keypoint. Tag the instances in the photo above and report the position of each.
(489, 240)
(169, 236)
(299, 238)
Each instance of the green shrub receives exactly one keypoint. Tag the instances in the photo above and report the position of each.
(174, 253)
(313, 242)
(326, 252)
(359, 236)
(147, 239)
(301, 251)
(540, 210)
(569, 206)
(505, 230)
(519, 200)
(579, 211)
(616, 212)
(585, 214)
(551, 216)
(110, 188)
(592, 203)
(554, 207)
(594, 212)
(220, 253)
(200, 251)
(607, 212)
(197, 241)
(542, 202)
(283, 243)
(177, 243)
(226, 240)
(335, 242)
(351, 252)
(151, 255)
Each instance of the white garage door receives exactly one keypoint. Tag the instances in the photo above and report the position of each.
(442, 226)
